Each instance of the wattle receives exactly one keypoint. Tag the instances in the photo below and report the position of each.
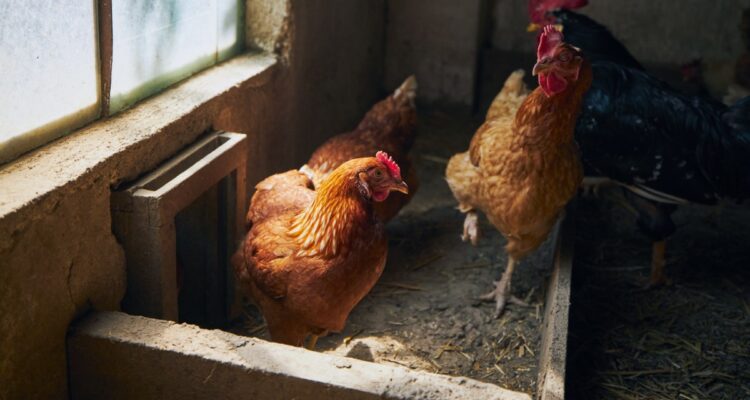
(552, 84)
(380, 196)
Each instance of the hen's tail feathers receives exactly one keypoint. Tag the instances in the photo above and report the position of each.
(407, 92)
(510, 97)
(514, 84)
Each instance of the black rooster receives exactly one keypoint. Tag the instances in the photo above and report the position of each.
(593, 38)
(664, 147)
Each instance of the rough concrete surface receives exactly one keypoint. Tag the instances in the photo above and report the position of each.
(54, 202)
(117, 356)
(58, 256)
(267, 24)
(439, 43)
(665, 31)
(53, 265)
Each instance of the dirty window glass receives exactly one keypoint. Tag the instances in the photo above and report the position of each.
(157, 43)
(49, 67)
(50, 63)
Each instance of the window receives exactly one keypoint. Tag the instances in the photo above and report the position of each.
(49, 69)
(51, 59)
(157, 43)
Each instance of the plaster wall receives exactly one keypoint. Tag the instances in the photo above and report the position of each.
(58, 256)
(438, 41)
(656, 32)
(332, 53)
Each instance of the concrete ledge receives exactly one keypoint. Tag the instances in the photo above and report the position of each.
(117, 356)
(130, 142)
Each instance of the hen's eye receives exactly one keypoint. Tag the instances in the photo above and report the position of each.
(378, 173)
(564, 57)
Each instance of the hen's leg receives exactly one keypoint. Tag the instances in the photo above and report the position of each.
(658, 277)
(313, 341)
(654, 219)
(501, 293)
(471, 228)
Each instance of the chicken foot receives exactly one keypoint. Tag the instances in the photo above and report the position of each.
(314, 340)
(471, 228)
(501, 294)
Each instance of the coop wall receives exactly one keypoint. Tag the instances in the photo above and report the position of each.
(439, 43)
(656, 32)
(58, 257)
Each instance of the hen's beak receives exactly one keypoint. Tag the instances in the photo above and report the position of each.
(540, 67)
(533, 27)
(400, 187)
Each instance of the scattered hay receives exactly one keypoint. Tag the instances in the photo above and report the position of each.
(690, 340)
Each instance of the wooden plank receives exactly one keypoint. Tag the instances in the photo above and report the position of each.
(553, 355)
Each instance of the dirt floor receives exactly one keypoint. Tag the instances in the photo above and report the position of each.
(689, 340)
(424, 313)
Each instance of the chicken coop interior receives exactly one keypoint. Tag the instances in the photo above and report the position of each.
(375, 199)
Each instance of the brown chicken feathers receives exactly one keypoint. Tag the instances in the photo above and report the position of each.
(390, 126)
(523, 164)
(311, 255)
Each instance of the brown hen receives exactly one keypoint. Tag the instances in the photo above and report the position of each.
(311, 256)
(390, 125)
(523, 167)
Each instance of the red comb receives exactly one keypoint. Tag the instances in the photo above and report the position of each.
(393, 168)
(549, 38)
(539, 8)
(575, 4)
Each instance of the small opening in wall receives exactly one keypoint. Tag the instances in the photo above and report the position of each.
(178, 226)
(173, 170)
(203, 241)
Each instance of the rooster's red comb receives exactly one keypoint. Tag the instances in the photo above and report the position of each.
(393, 168)
(539, 8)
(549, 38)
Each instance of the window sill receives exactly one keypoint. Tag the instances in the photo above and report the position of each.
(132, 142)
